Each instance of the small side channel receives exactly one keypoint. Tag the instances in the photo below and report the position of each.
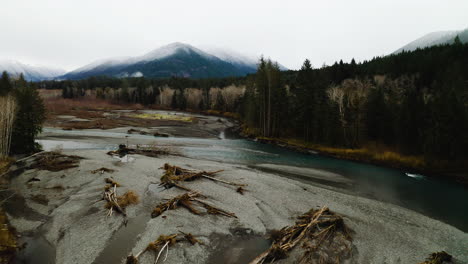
(122, 242)
(237, 249)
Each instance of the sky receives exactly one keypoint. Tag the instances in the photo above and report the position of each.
(69, 34)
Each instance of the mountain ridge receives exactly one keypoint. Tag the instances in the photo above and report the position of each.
(175, 59)
(30, 72)
(435, 38)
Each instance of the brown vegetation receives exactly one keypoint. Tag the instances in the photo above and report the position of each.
(118, 203)
(323, 235)
(8, 243)
(55, 161)
(5, 164)
(128, 198)
(438, 258)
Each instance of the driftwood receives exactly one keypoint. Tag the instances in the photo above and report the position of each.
(55, 161)
(173, 175)
(102, 170)
(149, 151)
(187, 200)
(162, 243)
(112, 204)
(117, 203)
(438, 258)
(324, 238)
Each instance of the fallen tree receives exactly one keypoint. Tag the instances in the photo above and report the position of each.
(173, 175)
(146, 150)
(188, 201)
(102, 170)
(55, 161)
(324, 238)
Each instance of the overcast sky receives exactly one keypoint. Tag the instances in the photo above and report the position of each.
(69, 34)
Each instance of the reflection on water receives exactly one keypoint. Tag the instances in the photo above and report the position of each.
(438, 198)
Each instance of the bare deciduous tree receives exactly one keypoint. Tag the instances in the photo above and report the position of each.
(7, 117)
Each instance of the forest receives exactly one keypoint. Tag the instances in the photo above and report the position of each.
(413, 103)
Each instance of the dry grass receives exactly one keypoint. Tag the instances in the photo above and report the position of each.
(85, 108)
(223, 114)
(372, 153)
(8, 243)
(93, 110)
(128, 198)
(163, 117)
(5, 164)
(63, 106)
(380, 156)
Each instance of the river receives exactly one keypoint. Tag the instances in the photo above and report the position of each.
(435, 197)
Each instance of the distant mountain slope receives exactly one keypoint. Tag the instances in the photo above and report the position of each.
(435, 38)
(176, 59)
(31, 73)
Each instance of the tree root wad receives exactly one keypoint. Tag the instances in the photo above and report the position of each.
(323, 235)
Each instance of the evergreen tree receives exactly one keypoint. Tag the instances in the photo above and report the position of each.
(181, 100)
(174, 104)
(29, 118)
(5, 84)
(220, 104)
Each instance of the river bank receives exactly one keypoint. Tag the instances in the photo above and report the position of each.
(69, 221)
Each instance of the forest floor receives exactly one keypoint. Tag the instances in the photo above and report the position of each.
(62, 216)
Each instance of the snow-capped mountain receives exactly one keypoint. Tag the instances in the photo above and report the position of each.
(435, 38)
(30, 72)
(233, 57)
(176, 59)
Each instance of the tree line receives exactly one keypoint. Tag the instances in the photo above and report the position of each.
(414, 102)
